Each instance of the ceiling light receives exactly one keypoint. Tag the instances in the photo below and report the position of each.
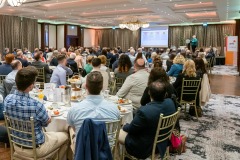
(2, 2)
(16, 3)
(133, 24)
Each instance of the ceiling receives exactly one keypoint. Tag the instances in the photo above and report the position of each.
(108, 13)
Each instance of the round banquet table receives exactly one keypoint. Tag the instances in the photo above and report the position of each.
(59, 123)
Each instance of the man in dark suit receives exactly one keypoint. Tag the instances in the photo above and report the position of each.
(20, 58)
(39, 64)
(138, 136)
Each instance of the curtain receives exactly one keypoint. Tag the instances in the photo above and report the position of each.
(29, 33)
(117, 37)
(212, 35)
(18, 33)
(10, 32)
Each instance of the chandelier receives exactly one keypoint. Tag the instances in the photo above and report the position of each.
(133, 24)
(13, 3)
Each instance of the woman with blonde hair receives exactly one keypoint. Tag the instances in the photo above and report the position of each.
(79, 59)
(177, 66)
(189, 73)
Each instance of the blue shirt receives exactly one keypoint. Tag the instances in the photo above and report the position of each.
(5, 69)
(21, 106)
(59, 75)
(175, 70)
(94, 107)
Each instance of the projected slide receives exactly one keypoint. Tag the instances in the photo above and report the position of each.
(154, 36)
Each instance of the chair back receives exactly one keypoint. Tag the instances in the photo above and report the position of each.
(108, 62)
(118, 83)
(40, 84)
(190, 88)
(15, 128)
(2, 77)
(165, 127)
(113, 130)
(41, 75)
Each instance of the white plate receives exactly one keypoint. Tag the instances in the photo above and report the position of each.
(53, 115)
(61, 103)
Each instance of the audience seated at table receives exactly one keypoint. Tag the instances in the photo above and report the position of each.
(177, 66)
(96, 63)
(135, 84)
(53, 60)
(94, 106)
(124, 67)
(22, 59)
(71, 63)
(79, 59)
(6, 68)
(202, 55)
(21, 107)
(39, 64)
(158, 74)
(9, 82)
(189, 73)
(60, 73)
(5, 52)
(139, 51)
(103, 67)
(114, 59)
(1, 107)
(88, 67)
(132, 57)
(200, 67)
(42, 57)
(138, 136)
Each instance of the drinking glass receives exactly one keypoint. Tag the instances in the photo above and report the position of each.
(106, 94)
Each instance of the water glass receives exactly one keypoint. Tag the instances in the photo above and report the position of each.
(106, 94)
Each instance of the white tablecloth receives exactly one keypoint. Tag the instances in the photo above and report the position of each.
(59, 123)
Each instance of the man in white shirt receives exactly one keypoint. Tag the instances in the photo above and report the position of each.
(9, 82)
(96, 63)
(61, 71)
(131, 56)
(135, 84)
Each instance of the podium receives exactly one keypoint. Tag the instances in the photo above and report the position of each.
(231, 50)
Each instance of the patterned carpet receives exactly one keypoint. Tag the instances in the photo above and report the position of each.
(225, 70)
(217, 135)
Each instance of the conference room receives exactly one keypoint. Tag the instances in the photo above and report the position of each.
(119, 79)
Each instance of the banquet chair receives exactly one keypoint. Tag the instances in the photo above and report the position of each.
(41, 75)
(2, 77)
(41, 85)
(164, 123)
(24, 127)
(118, 83)
(190, 88)
(113, 130)
(210, 64)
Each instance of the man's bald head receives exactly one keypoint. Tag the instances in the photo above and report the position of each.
(16, 65)
(157, 90)
(139, 64)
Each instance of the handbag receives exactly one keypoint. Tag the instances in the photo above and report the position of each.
(178, 143)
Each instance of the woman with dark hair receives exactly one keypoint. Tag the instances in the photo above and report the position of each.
(200, 67)
(139, 55)
(124, 67)
(170, 61)
(157, 62)
(104, 52)
(157, 74)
